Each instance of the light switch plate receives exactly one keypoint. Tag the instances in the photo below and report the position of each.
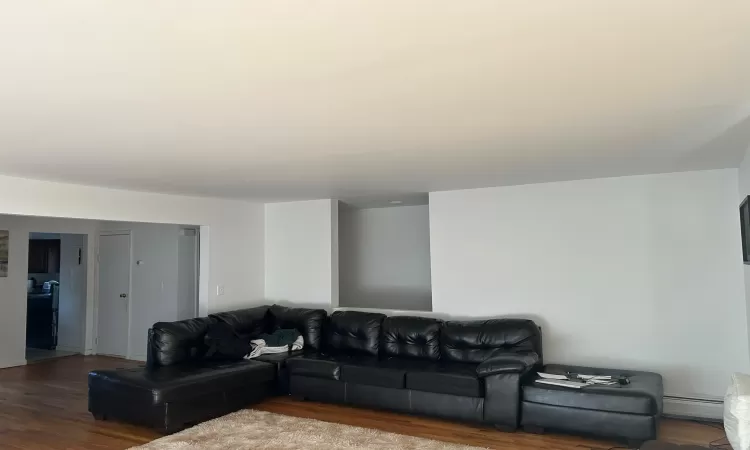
(220, 289)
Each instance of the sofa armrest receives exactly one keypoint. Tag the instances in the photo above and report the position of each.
(508, 362)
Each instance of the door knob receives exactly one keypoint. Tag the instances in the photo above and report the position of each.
(123, 295)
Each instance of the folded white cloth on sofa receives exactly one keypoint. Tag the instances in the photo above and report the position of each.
(260, 348)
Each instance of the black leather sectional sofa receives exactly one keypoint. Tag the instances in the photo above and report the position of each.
(459, 370)
(463, 370)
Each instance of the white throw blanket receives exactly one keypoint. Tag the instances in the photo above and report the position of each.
(259, 348)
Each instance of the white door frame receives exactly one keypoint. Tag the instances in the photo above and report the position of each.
(130, 289)
(204, 256)
(89, 273)
(196, 300)
(196, 270)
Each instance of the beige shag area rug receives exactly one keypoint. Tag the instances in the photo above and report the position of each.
(251, 429)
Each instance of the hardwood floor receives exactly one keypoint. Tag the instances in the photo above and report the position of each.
(44, 406)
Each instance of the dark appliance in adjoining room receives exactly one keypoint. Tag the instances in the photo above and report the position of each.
(43, 297)
(42, 317)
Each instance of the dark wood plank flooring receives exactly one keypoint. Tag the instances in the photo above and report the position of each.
(44, 406)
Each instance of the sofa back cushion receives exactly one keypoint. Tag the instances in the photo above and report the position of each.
(223, 343)
(309, 323)
(246, 322)
(411, 337)
(475, 341)
(171, 343)
(354, 332)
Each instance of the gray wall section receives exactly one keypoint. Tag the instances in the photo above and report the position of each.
(385, 258)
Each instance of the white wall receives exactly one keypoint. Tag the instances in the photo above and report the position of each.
(13, 288)
(233, 228)
(744, 184)
(301, 262)
(335, 264)
(163, 285)
(385, 258)
(639, 272)
(13, 294)
(153, 295)
(231, 240)
(72, 308)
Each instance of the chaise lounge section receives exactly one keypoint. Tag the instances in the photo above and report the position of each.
(179, 387)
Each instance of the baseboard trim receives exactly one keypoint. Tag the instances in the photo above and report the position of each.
(694, 408)
(13, 364)
(64, 348)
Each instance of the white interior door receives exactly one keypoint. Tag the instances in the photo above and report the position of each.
(114, 295)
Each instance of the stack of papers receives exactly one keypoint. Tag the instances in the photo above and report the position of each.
(552, 376)
(580, 381)
(604, 380)
(563, 383)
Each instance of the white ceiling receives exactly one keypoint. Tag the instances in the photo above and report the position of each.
(337, 98)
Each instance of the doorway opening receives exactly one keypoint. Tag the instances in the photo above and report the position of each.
(55, 295)
(384, 253)
(147, 273)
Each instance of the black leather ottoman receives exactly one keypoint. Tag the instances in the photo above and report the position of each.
(175, 397)
(629, 413)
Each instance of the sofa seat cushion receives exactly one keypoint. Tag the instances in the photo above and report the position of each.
(279, 359)
(446, 378)
(372, 372)
(642, 396)
(314, 365)
(179, 382)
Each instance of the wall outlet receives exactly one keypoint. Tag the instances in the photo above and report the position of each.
(220, 289)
